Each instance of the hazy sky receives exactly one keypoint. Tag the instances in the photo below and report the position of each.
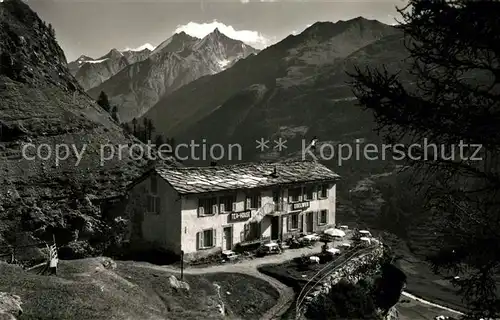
(93, 27)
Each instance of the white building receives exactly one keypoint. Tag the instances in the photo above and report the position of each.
(204, 210)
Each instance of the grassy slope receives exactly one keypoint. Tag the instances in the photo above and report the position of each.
(85, 290)
(41, 103)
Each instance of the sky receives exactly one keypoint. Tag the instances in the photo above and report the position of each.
(93, 27)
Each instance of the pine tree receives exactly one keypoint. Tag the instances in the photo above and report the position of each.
(103, 101)
(134, 124)
(151, 129)
(159, 140)
(52, 31)
(126, 128)
(451, 97)
(114, 114)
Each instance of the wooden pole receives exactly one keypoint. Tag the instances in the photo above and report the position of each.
(182, 264)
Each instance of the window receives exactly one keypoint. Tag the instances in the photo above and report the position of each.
(154, 202)
(207, 207)
(323, 217)
(227, 204)
(206, 239)
(295, 195)
(323, 191)
(251, 231)
(253, 202)
(309, 193)
(293, 221)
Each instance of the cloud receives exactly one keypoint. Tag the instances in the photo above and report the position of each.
(244, 1)
(144, 46)
(296, 32)
(250, 37)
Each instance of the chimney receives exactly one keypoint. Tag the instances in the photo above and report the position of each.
(274, 174)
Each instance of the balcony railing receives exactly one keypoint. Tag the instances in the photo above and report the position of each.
(270, 208)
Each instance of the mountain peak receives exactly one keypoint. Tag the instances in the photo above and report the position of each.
(84, 58)
(112, 54)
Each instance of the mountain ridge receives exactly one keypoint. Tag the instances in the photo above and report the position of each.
(174, 63)
(289, 63)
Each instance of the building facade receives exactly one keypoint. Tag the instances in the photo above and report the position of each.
(202, 211)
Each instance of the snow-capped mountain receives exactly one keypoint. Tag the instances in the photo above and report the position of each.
(92, 72)
(280, 84)
(174, 63)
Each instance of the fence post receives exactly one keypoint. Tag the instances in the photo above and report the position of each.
(182, 264)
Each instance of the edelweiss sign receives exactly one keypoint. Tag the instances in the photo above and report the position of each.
(300, 205)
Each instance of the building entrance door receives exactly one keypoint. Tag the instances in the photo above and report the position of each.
(275, 228)
(310, 222)
(227, 240)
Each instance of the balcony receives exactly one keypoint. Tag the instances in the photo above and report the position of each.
(270, 209)
(277, 209)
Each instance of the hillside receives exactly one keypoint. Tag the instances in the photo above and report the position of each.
(100, 288)
(175, 62)
(41, 103)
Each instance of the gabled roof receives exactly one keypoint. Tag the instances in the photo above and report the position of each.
(244, 176)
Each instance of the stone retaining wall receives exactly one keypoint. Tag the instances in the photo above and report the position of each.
(346, 272)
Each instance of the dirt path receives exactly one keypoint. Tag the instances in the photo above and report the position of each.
(249, 267)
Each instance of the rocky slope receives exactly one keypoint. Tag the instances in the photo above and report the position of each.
(92, 72)
(41, 104)
(174, 63)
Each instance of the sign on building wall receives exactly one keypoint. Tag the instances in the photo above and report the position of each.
(300, 205)
(240, 216)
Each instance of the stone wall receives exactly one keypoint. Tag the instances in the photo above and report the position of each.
(352, 271)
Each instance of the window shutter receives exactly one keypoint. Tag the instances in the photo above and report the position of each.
(158, 205)
(248, 203)
(326, 216)
(314, 195)
(214, 209)
(201, 210)
(222, 207)
(300, 197)
(214, 233)
(259, 201)
(234, 206)
(289, 220)
(301, 222)
(316, 219)
(199, 240)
